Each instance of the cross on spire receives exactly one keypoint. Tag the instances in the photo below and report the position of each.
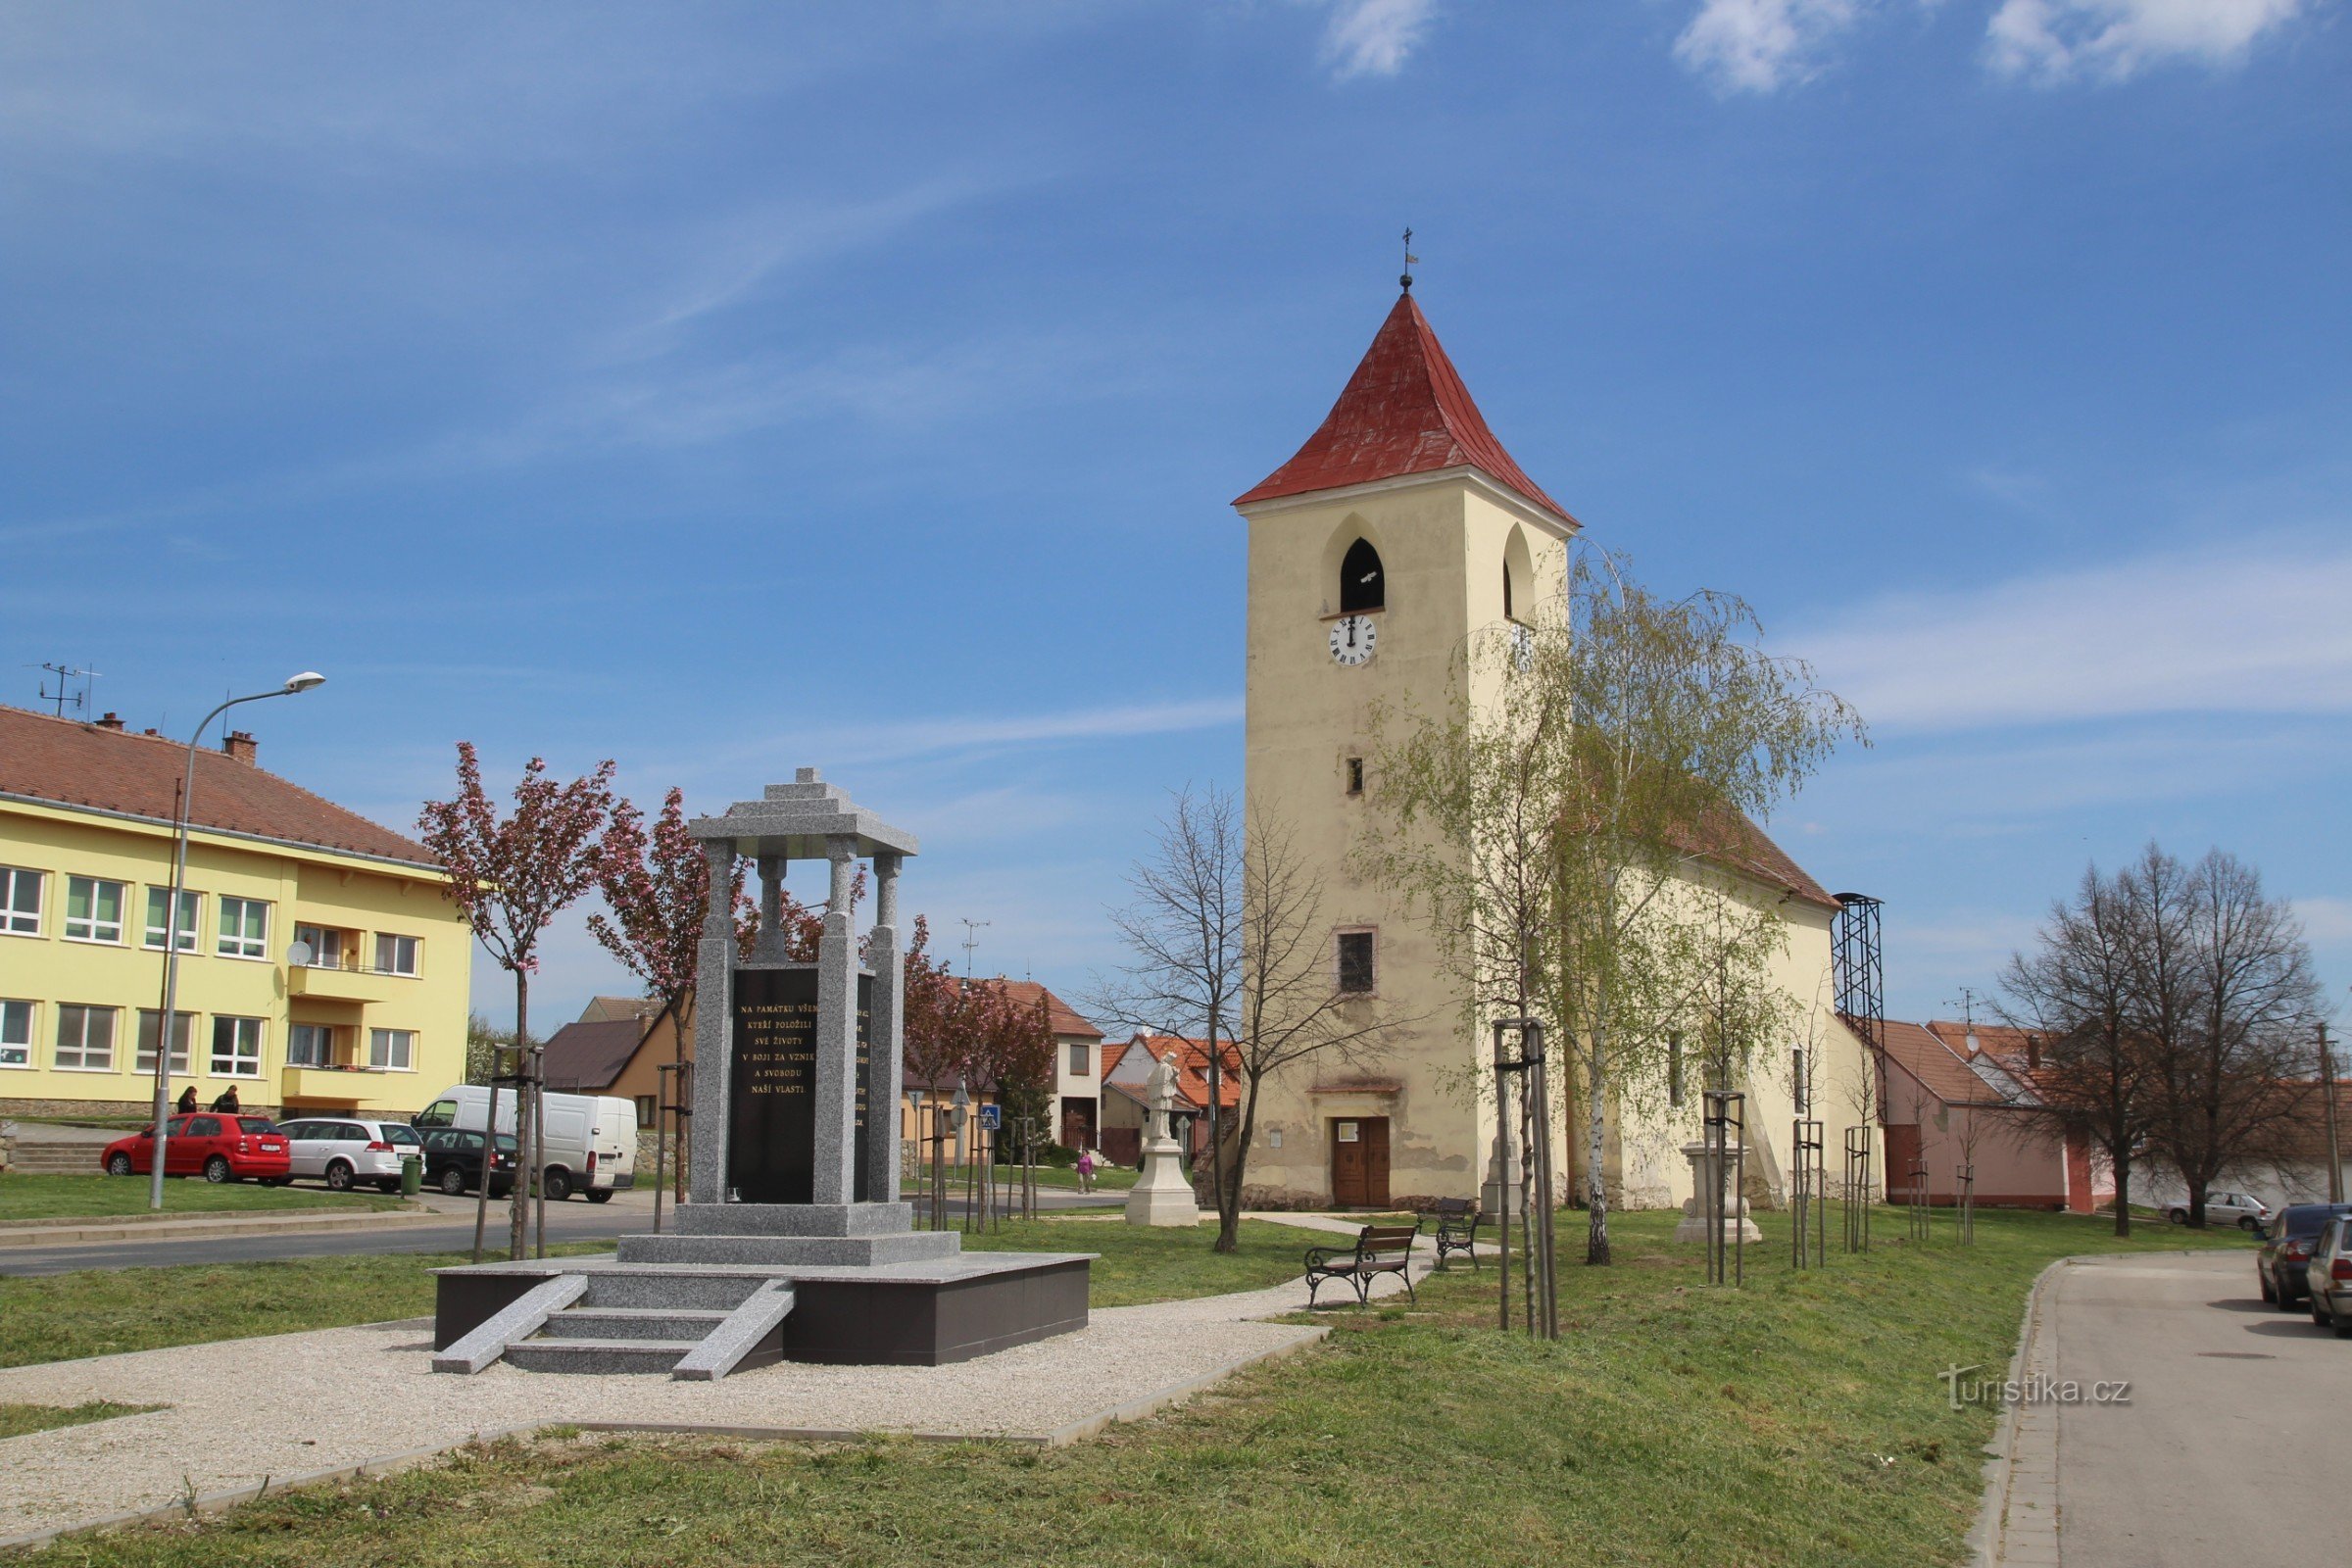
(1410, 262)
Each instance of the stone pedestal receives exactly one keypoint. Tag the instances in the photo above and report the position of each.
(1161, 1196)
(1693, 1225)
(1501, 1174)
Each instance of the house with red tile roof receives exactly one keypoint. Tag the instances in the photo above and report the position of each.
(319, 965)
(1126, 1073)
(1959, 1097)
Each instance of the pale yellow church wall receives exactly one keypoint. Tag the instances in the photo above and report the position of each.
(1442, 543)
(1652, 1171)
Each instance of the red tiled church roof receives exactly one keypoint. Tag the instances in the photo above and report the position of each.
(1404, 410)
(69, 762)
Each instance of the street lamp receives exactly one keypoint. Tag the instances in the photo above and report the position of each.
(294, 685)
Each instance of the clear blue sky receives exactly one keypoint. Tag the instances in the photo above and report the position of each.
(726, 388)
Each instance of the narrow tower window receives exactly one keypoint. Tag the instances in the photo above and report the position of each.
(1361, 585)
(1506, 591)
(1356, 963)
(1355, 775)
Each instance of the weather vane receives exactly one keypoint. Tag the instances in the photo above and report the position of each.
(1410, 262)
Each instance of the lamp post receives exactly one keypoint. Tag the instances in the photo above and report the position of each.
(294, 685)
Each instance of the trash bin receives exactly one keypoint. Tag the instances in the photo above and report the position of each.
(411, 1175)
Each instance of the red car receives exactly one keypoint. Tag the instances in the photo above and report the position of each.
(217, 1145)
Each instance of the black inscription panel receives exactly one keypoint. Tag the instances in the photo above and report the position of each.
(771, 1114)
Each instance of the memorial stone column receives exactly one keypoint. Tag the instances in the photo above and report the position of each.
(886, 1073)
(836, 1140)
(713, 1022)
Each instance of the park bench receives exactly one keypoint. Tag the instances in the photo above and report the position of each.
(1378, 1249)
(1457, 1229)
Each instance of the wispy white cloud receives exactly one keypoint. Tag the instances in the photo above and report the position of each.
(2326, 920)
(2260, 630)
(1375, 38)
(973, 732)
(1762, 45)
(2058, 40)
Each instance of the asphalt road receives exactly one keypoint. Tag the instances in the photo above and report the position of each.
(629, 1213)
(2233, 1447)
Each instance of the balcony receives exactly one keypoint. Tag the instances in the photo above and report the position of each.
(347, 983)
(345, 1085)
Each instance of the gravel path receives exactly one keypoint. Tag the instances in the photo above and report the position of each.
(293, 1404)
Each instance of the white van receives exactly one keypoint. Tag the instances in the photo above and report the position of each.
(591, 1140)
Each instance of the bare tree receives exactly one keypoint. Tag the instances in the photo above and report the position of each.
(2232, 1021)
(2093, 1068)
(1184, 929)
(1292, 1009)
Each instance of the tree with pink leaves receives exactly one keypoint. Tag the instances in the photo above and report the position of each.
(509, 878)
(655, 884)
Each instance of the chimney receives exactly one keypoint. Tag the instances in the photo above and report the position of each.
(2032, 1053)
(151, 730)
(240, 745)
(114, 721)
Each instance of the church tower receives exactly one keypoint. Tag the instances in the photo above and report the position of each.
(1398, 530)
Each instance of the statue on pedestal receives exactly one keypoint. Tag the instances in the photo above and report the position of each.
(1163, 1195)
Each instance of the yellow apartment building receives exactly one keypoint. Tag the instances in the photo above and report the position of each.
(372, 1018)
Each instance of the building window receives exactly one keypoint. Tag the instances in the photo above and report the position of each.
(85, 1038)
(1363, 586)
(158, 900)
(20, 902)
(237, 1047)
(310, 1044)
(15, 1033)
(93, 910)
(183, 1030)
(648, 1108)
(1356, 963)
(330, 948)
(396, 955)
(392, 1050)
(1081, 1059)
(244, 928)
(1355, 775)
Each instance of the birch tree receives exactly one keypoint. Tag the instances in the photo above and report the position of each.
(1574, 827)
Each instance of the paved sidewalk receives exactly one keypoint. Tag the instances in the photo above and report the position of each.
(243, 1410)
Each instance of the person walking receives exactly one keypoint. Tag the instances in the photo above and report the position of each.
(227, 1101)
(187, 1099)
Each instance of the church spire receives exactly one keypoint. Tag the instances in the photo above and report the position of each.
(1403, 412)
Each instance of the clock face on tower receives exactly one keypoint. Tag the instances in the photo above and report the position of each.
(1351, 639)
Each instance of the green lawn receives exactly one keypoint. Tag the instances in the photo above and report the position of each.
(29, 1197)
(1138, 1264)
(1110, 1179)
(16, 1420)
(58, 1317)
(1797, 1422)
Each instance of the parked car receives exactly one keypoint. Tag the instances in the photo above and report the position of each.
(2287, 1243)
(591, 1144)
(2328, 1277)
(218, 1146)
(453, 1162)
(345, 1150)
(2242, 1210)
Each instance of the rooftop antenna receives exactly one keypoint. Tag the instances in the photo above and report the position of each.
(1410, 262)
(65, 693)
(970, 942)
(1967, 1015)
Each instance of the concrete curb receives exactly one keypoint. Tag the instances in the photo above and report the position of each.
(130, 1228)
(2003, 1534)
(387, 1464)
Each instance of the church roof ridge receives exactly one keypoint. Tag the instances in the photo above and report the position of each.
(1405, 411)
